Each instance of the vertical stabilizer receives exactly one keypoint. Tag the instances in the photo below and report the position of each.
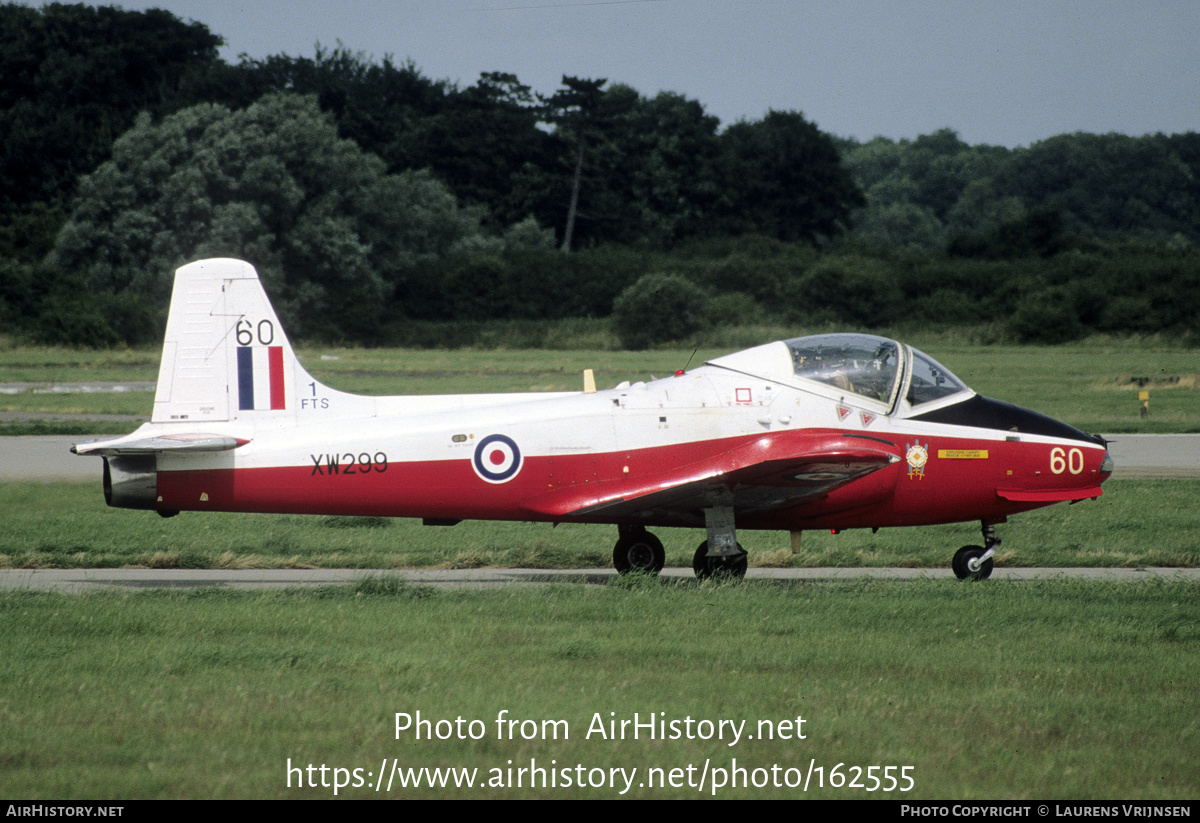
(225, 356)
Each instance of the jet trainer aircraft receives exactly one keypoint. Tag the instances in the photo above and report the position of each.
(834, 431)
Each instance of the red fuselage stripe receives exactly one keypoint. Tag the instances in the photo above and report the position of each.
(960, 484)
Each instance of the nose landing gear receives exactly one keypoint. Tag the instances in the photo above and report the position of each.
(975, 562)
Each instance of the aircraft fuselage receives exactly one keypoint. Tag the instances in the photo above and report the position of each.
(526, 460)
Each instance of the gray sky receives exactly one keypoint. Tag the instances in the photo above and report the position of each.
(1004, 73)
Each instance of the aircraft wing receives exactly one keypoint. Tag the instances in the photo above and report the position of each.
(772, 472)
(175, 443)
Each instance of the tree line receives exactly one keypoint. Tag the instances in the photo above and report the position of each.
(369, 195)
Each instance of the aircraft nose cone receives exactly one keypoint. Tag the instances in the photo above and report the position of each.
(1107, 466)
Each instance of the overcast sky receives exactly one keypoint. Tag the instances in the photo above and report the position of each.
(1004, 73)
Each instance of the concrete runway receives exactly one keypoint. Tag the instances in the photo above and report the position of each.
(1155, 455)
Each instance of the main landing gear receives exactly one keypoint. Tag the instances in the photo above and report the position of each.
(731, 567)
(637, 550)
(720, 555)
(975, 562)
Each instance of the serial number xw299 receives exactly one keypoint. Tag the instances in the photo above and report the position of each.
(348, 463)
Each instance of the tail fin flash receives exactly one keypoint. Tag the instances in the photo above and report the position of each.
(225, 356)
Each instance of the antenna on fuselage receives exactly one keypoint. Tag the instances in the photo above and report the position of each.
(689, 362)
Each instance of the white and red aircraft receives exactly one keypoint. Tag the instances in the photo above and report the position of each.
(833, 431)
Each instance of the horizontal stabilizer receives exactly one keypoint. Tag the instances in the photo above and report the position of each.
(173, 443)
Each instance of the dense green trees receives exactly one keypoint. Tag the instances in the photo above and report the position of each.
(658, 308)
(936, 192)
(329, 231)
(782, 177)
(372, 197)
(72, 78)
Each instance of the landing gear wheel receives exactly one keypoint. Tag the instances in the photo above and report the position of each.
(641, 552)
(731, 568)
(966, 564)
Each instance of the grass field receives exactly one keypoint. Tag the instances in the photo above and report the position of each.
(1043, 690)
(1092, 385)
(1055, 690)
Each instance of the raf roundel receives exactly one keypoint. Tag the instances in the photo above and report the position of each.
(497, 458)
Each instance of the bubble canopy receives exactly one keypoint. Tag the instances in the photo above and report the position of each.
(872, 368)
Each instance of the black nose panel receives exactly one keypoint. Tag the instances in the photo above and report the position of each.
(984, 413)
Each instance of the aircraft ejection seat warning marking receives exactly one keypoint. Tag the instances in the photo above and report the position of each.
(963, 454)
(497, 458)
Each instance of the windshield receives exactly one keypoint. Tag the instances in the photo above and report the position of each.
(857, 363)
(930, 380)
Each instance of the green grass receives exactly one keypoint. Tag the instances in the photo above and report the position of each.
(63, 365)
(1044, 690)
(1092, 385)
(66, 525)
(49, 428)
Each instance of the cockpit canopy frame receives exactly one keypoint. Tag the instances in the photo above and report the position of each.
(872, 371)
(877, 369)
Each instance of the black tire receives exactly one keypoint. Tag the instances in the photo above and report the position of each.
(640, 553)
(706, 567)
(964, 556)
